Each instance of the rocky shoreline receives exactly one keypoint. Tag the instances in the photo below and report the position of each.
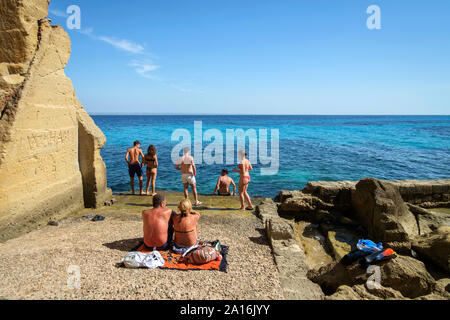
(323, 222)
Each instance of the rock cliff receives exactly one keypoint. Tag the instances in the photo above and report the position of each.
(50, 163)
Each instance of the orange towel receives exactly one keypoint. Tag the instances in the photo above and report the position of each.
(172, 260)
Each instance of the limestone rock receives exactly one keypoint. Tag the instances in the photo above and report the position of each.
(305, 207)
(428, 220)
(403, 274)
(341, 240)
(267, 210)
(380, 208)
(337, 193)
(50, 163)
(286, 194)
(435, 247)
(360, 292)
(408, 276)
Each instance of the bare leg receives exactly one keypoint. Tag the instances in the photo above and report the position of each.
(154, 182)
(141, 183)
(241, 194)
(149, 176)
(247, 197)
(132, 184)
(186, 191)
(194, 191)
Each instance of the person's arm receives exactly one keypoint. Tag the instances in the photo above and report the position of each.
(250, 168)
(217, 186)
(142, 158)
(127, 156)
(194, 169)
(178, 165)
(234, 187)
(236, 170)
(156, 161)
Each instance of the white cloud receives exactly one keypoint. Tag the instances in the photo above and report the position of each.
(58, 13)
(123, 44)
(87, 31)
(144, 67)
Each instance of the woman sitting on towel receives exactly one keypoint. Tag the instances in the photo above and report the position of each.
(185, 226)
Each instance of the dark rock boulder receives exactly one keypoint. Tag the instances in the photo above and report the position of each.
(435, 247)
(408, 276)
(404, 274)
(305, 207)
(428, 220)
(379, 207)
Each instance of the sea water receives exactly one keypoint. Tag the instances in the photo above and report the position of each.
(311, 148)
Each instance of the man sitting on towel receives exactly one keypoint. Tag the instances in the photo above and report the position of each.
(158, 228)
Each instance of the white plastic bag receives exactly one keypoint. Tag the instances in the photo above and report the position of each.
(150, 260)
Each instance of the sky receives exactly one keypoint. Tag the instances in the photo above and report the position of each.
(259, 56)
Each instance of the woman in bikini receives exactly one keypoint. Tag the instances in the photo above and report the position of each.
(244, 180)
(151, 160)
(185, 225)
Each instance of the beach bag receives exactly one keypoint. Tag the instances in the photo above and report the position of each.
(150, 260)
(202, 255)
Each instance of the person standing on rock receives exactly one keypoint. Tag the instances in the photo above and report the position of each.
(151, 160)
(188, 172)
(244, 180)
(135, 165)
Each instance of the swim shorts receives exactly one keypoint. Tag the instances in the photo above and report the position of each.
(135, 169)
(188, 179)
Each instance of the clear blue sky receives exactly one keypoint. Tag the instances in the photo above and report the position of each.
(259, 56)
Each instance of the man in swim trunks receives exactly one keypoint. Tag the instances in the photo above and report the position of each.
(135, 165)
(188, 172)
(158, 227)
(223, 185)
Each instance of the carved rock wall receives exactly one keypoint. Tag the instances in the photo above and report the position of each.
(50, 163)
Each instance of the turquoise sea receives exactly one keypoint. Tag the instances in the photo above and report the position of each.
(310, 148)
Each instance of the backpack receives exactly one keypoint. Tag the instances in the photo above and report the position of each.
(202, 255)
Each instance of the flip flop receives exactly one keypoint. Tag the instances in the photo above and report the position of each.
(250, 208)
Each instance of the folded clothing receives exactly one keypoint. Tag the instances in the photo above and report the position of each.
(150, 260)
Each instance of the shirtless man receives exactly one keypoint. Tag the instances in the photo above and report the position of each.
(223, 185)
(158, 228)
(135, 165)
(188, 172)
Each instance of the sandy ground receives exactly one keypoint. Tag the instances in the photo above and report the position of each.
(35, 266)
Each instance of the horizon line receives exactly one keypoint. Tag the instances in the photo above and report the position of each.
(260, 114)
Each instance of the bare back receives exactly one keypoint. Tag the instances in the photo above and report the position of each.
(186, 229)
(187, 164)
(134, 154)
(245, 167)
(156, 224)
(224, 184)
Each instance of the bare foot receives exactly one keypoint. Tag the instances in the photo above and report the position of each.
(154, 194)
